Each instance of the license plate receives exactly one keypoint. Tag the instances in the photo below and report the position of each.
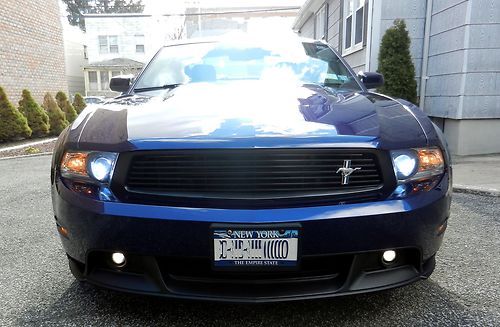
(255, 248)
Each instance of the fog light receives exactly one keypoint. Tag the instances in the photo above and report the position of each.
(389, 256)
(118, 258)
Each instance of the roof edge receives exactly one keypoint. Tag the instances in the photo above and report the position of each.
(307, 9)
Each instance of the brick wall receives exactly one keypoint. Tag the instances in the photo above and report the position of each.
(31, 48)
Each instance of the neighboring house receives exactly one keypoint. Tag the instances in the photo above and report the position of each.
(75, 57)
(455, 49)
(98, 75)
(122, 43)
(31, 48)
(213, 21)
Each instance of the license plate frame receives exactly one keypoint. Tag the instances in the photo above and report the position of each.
(293, 230)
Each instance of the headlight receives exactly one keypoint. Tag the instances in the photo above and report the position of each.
(89, 173)
(417, 170)
(97, 166)
(416, 164)
(101, 165)
(405, 164)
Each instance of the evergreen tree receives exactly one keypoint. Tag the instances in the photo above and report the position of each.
(57, 118)
(12, 123)
(394, 62)
(77, 8)
(66, 106)
(79, 103)
(38, 120)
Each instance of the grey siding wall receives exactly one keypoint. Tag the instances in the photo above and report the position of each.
(334, 24)
(413, 13)
(307, 29)
(464, 69)
(357, 60)
(446, 58)
(481, 94)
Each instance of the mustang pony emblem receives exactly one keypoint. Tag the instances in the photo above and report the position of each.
(346, 171)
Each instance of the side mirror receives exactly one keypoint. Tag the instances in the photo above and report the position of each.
(371, 80)
(120, 83)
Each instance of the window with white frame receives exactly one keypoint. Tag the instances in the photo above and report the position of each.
(93, 85)
(353, 24)
(139, 43)
(108, 44)
(320, 22)
(104, 80)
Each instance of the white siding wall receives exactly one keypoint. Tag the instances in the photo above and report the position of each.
(157, 31)
(124, 27)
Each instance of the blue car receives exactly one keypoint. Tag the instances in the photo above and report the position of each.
(250, 171)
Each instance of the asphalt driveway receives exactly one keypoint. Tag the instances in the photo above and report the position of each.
(36, 287)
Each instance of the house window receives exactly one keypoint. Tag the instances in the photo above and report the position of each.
(320, 23)
(353, 24)
(115, 73)
(93, 81)
(113, 44)
(139, 43)
(108, 44)
(85, 54)
(103, 44)
(104, 80)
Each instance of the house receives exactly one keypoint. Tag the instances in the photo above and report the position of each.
(123, 43)
(98, 74)
(455, 49)
(31, 48)
(206, 20)
(75, 57)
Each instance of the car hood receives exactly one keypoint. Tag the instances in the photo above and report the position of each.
(247, 114)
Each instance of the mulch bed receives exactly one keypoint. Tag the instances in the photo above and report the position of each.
(39, 148)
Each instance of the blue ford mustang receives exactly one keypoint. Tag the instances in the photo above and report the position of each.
(243, 170)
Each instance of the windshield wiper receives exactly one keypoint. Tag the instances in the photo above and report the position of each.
(160, 87)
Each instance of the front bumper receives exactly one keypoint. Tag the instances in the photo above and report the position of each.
(168, 248)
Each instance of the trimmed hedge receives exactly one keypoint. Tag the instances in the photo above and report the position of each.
(13, 124)
(394, 62)
(79, 103)
(57, 118)
(66, 106)
(38, 120)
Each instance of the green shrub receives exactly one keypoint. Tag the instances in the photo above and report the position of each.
(79, 103)
(37, 118)
(66, 106)
(13, 124)
(31, 150)
(57, 118)
(394, 62)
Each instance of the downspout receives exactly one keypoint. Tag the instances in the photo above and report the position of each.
(369, 34)
(425, 54)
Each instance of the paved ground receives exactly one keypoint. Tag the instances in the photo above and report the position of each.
(36, 287)
(477, 173)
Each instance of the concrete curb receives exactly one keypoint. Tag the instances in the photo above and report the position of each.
(458, 188)
(20, 146)
(28, 156)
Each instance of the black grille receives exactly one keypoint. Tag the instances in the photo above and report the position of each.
(252, 174)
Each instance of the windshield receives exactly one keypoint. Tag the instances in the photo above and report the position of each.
(297, 62)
